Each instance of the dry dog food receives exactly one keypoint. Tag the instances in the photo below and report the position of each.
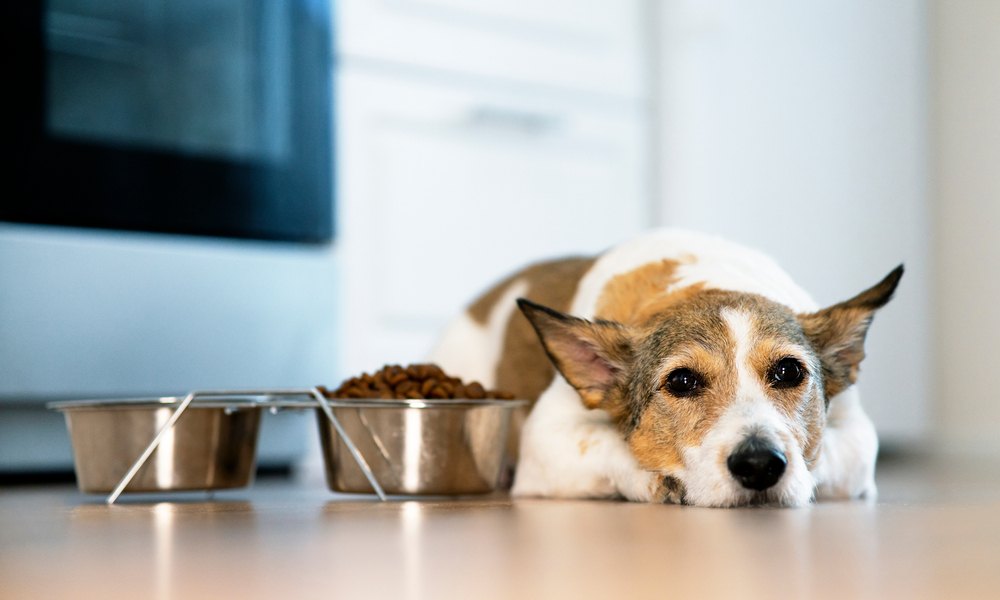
(413, 381)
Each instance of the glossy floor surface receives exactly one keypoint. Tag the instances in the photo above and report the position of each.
(935, 533)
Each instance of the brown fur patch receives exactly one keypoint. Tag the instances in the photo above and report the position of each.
(669, 424)
(659, 438)
(669, 490)
(523, 369)
(815, 422)
(635, 297)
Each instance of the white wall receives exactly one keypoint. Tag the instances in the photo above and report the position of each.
(799, 127)
(966, 134)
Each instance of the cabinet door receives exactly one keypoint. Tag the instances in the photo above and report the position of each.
(594, 46)
(445, 190)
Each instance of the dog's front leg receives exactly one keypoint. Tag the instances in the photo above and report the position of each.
(846, 465)
(568, 451)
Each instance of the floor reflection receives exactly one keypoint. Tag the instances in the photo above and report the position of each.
(412, 519)
(164, 514)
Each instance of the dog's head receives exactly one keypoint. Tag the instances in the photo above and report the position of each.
(723, 393)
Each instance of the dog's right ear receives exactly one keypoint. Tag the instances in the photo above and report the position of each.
(593, 356)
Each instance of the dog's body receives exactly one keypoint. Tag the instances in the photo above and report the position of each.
(692, 370)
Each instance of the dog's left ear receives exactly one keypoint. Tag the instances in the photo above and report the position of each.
(838, 332)
(593, 356)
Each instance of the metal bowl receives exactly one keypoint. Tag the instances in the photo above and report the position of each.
(420, 447)
(212, 446)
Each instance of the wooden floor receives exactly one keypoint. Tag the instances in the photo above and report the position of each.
(935, 533)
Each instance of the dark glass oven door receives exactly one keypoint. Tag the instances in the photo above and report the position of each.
(201, 117)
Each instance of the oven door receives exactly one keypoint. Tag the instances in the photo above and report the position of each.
(177, 116)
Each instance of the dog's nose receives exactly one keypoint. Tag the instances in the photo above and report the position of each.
(756, 464)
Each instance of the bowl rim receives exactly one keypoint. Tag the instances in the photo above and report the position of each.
(234, 403)
(418, 403)
(243, 403)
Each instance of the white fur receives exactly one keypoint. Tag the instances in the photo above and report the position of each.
(846, 465)
(569, 451)
(706, 478)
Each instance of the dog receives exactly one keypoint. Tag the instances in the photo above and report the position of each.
(677, 367)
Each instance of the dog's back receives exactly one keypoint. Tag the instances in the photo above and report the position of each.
(492, 342)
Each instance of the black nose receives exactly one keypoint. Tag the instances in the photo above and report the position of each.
(756, 464)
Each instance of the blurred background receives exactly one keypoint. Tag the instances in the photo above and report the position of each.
(242, 193)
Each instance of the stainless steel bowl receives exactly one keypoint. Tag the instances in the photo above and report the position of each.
(423, 447)
(212, 446)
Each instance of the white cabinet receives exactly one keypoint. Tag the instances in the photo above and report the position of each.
(593, 45)
(443, 189)
(473, 137)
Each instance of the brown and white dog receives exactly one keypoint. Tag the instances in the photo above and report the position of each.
(692, 370)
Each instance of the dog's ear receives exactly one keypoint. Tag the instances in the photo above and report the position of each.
(593, 356)
(838, 332)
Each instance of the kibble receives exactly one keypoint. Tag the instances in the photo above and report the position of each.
(415, 381)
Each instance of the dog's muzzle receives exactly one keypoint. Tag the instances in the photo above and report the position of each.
(756, 463)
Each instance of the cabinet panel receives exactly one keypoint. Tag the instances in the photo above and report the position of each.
(593, 46)
(445, 190)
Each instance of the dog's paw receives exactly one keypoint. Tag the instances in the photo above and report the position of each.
(869, 493)
(668, 490)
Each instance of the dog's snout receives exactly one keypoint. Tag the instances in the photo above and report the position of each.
(756, 464)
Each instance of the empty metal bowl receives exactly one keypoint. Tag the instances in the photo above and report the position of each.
(421, 447)
(212, 446)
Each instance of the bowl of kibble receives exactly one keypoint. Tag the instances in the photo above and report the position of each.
(420, 430)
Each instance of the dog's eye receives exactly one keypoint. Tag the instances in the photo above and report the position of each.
(787, 372)
(683, 382)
